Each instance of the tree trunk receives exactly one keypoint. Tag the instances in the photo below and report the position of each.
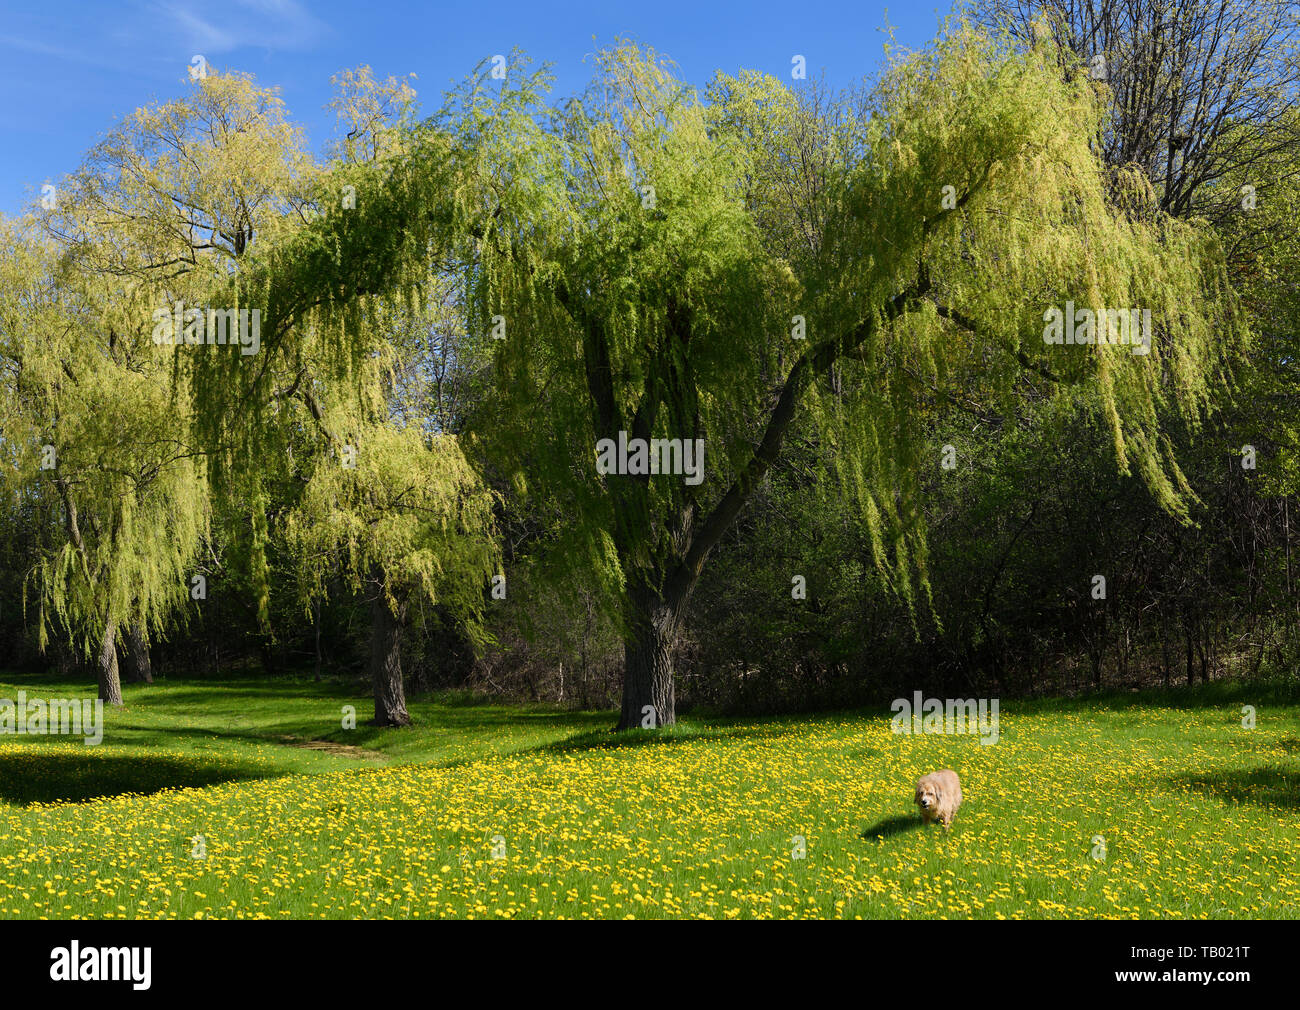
(316, 623)
(139, 669)
(386, 660)
(110, 686)
(648, 696)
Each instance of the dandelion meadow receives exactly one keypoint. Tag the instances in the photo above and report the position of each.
(497, 812)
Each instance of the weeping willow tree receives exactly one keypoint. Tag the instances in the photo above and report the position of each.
(94, 444)
(666, 275)
(116, 412)
(339, 263)
(405, 519)
(102, 300)
(671, 268)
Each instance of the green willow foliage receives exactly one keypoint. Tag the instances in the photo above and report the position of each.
(209, 202)
(1032, 228)
(684, 304)
(591, 271)
(125, 505)
(412, 514)
(159, 215)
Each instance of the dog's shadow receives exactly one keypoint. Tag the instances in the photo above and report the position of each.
(891, 826)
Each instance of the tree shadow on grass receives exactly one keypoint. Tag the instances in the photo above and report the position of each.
(1268, 786)
(37, 775)
(605, 739)
(611, 740)
(891, 826)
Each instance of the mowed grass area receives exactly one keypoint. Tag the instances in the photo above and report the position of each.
(1200, 816)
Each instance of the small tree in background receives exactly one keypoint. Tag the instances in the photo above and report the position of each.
(403, 517)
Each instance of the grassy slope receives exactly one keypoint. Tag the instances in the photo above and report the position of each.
(1200, 816)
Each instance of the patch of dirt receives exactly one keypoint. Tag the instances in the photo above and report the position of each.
(346, 750)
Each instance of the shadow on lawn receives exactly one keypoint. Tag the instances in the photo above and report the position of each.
(1268, 786)
(610, 740)
(35, 775)
(606, 739)
(891, 826)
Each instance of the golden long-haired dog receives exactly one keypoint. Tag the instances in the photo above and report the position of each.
(938, 795)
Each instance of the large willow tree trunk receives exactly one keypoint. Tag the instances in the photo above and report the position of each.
(139, 669)
(110, 686)
(386, 659)
(649, 699)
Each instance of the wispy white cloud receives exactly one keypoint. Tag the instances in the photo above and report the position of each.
(147, 37)
(196, 32)
(259, 24)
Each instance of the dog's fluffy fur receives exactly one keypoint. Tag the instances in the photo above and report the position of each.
(938, 795)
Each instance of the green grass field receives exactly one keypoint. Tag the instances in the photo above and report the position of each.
(484, 811)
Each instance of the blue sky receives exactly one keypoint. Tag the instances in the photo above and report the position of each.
(69, 70)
